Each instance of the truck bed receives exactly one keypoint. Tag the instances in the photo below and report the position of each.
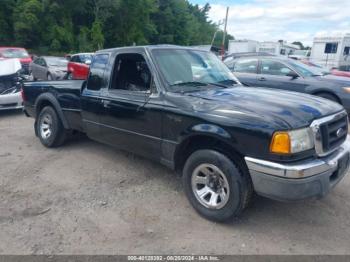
(66, 92)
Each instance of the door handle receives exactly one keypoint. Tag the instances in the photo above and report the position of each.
(261, 79)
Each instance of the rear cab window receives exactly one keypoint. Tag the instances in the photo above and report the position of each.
(97, 79)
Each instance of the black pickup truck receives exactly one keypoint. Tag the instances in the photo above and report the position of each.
(184, 108)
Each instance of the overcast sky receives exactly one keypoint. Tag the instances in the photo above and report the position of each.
(294, 20)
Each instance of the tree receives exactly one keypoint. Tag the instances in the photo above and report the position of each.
(97, 37)
(218, 39)
(300, 44)
(64, 26)
(27, 23)
(6, 21)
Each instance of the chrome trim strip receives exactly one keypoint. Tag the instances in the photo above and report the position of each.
(130, 132)
(316, 130)
(300, 169)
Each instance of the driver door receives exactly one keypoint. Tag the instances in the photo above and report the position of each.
(131, 117)
(275, 74)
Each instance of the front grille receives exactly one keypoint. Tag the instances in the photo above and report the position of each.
(330, 132)
(334, 133)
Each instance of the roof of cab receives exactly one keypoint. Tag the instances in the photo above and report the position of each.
(149, 47)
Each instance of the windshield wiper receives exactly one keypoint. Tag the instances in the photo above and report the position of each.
(190, 83)
(227, 82)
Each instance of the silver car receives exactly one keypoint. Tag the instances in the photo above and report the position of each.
(10, 87)
(48, 68)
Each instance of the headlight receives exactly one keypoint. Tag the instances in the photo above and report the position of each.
(347, 89)
(290, 142)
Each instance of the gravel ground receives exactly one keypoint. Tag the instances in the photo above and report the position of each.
(88, 198)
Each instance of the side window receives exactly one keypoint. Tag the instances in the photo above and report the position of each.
(270, 67)
(246, 66)
(131, 73)
(97, 69)
(347, 50)
(41, 62)
(73, 59)
(229, 62)
(331, 48)
(77, 59)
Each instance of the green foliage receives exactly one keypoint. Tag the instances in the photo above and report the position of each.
(63, 26)
(300, 44)
(27, 15)
(218, 39)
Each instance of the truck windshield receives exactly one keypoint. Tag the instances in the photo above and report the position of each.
(185, 69)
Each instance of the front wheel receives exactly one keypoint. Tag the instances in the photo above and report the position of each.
(50, 128)
(215, 186)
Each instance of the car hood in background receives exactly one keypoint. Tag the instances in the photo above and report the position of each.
(262, 106)
(58, 68)
(333, 79)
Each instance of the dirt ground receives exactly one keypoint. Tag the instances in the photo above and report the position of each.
(88, 198)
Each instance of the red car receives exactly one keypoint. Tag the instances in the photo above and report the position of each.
(79, 65)
(340, 73)
(17, 52)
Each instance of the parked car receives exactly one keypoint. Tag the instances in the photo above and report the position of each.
(325, 71)
(48, 68)
(17, 52)
(300, 54)
(226, 140)
(78, 66)
(10, 84)
(338, 72)
(288, 74)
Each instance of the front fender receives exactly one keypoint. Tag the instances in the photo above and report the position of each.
(212, 130)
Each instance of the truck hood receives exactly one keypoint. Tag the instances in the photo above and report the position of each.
(278, 109)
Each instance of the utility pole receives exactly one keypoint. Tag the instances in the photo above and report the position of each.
(224, 36)
(220, 23)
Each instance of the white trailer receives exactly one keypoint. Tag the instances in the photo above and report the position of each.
(242, 46)
(277, 48)
(251, 46)
(331, 52)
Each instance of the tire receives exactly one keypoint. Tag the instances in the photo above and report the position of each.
(237, 186)
(329, 97)
(49, 128)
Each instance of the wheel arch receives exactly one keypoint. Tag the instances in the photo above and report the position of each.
(48, 99)
(328, 92)
(198, 141)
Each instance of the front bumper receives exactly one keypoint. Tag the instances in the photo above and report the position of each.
(301, 180)
(11, 101)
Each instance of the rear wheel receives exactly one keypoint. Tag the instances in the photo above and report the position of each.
(215, 186)
(50, 128)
